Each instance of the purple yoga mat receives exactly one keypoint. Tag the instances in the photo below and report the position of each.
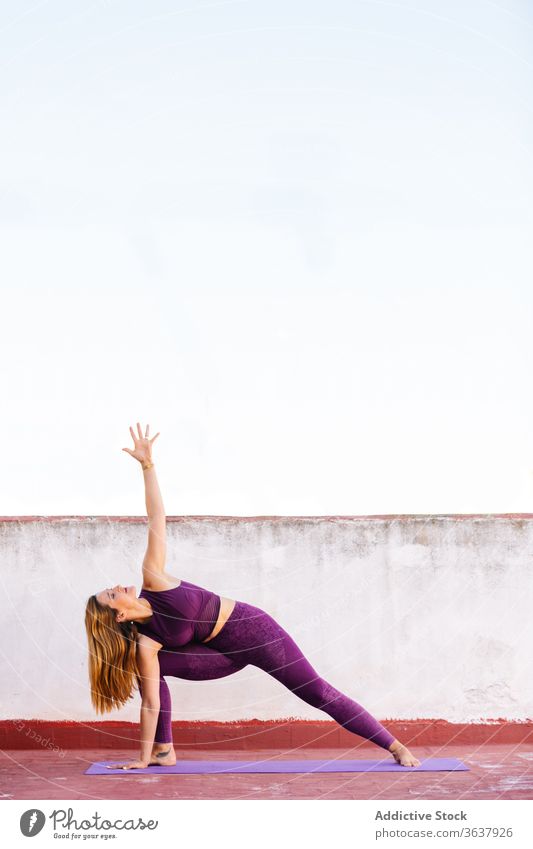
(340, 765)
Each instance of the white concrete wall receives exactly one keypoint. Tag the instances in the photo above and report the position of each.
(414, 617)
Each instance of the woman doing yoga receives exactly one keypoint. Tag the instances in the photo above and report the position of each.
(134, 641)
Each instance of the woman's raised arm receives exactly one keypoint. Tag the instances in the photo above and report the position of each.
(156, 551)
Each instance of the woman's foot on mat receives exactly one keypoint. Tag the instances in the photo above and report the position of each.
(402, 755)
(163, 754)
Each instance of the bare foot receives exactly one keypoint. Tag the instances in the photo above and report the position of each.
(402, 755)
(163, 754)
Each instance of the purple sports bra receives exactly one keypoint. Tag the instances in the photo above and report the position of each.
(184, 614)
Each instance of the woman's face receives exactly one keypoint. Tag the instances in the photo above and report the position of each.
(119, 598)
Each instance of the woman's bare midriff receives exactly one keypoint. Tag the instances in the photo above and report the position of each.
(226, 609)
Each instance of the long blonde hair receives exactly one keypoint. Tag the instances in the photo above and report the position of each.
(113, 670)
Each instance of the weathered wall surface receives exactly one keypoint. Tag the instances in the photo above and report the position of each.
(412, 616)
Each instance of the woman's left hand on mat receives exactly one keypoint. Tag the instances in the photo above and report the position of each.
(129, 765)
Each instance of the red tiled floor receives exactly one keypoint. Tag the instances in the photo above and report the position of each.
(496, 772)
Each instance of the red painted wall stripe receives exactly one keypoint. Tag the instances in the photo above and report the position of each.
(255, 734)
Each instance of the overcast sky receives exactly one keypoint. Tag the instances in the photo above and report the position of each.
(293, 236)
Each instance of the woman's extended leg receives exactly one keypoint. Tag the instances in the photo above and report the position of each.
(251, 635)
(193, 662)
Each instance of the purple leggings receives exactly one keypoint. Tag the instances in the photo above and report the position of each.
(252, 636)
